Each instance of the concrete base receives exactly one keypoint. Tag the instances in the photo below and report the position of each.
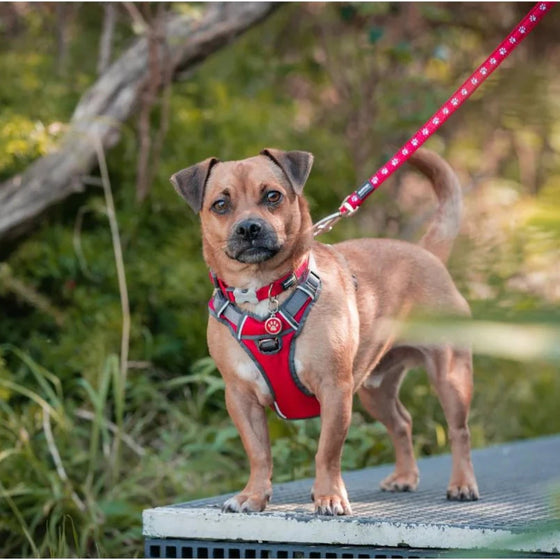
(519, 511)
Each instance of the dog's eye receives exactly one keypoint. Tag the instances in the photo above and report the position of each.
(221, 206)
(273, 198)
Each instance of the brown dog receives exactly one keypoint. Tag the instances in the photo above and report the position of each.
(256, 228)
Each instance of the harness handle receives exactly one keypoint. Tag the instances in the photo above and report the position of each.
(353, 201)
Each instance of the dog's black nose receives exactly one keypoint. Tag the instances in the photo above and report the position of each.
(248, 229)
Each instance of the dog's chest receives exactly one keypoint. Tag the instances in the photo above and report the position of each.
(245, 369)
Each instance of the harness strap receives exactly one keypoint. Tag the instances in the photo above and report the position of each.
(299, 298)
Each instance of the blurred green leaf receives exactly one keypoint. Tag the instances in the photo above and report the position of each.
(375, 33)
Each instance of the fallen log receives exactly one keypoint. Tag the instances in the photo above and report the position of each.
(100, 113)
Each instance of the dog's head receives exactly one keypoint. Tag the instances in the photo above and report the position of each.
(251, 210)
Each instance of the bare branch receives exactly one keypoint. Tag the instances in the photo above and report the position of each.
(106, 42)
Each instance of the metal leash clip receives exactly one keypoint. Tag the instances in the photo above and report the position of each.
(326, 224)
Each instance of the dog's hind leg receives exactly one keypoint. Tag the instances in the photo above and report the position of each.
(450, 371)
(380, 397)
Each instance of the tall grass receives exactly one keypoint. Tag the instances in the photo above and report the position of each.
(73, 482)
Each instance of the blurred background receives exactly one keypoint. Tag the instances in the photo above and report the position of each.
(109, 403)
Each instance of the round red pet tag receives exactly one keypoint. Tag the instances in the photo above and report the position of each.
(273, 325)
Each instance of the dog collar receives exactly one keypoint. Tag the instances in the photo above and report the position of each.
(250, 295)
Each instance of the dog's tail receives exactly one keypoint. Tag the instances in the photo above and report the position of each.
(444, 226)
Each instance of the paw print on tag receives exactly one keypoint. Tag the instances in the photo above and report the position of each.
(273, 325)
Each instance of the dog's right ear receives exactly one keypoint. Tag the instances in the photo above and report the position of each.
(296, 165)
(190, 183)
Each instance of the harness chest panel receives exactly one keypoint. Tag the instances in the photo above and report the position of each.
(273, 354)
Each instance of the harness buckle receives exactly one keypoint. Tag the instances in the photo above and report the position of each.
(269, 345)
(290, 281)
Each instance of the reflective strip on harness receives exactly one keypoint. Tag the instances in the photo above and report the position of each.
(274, 354)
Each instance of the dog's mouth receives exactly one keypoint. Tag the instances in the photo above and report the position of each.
(255, 255)
(252, 242)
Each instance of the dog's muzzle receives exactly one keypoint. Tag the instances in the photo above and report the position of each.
(252, 241)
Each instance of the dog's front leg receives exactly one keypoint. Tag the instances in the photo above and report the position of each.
(250, 419)
(329, 492)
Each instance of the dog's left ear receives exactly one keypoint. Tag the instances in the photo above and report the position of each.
(190, 183)
(295, 165)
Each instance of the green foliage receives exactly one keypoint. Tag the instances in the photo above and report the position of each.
(23, 141)
(82, 450)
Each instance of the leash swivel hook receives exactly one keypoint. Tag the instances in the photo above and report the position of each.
(326, 224)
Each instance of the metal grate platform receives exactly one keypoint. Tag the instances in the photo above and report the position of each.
(519, 513)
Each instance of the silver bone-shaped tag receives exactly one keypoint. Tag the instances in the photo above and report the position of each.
(248, 295)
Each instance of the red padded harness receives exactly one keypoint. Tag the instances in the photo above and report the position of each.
(273, 354)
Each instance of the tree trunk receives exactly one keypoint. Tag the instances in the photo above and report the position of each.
(103, 109)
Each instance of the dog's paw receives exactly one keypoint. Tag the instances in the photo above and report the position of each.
(332, 505)
(397, 482)
(246, 503)
(463, 493)
(330, 497)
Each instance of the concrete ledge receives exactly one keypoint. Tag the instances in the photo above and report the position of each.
(519, 509)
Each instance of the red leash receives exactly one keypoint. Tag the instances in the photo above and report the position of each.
(352, 202)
